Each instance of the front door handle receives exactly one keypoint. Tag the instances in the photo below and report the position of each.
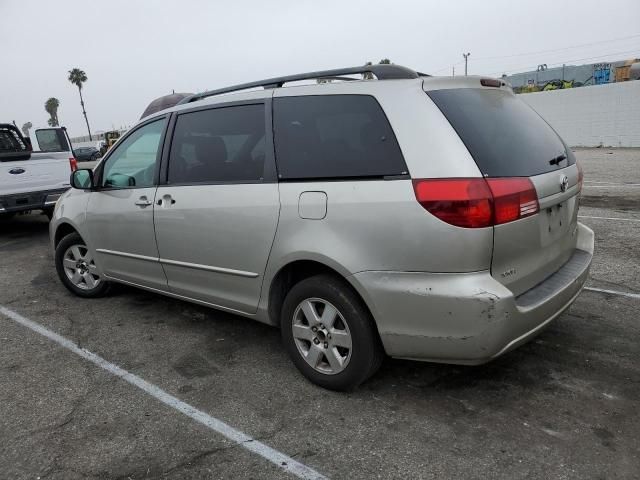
(143, 202)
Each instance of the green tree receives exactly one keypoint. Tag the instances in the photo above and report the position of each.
(51, 106)
(25, 128)
(78, 77)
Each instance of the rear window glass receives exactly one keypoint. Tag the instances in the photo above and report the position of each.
(52, 140)
(334, 136)
(505, 136)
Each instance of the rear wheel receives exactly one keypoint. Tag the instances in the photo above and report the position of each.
(329, 333)
(77, 269)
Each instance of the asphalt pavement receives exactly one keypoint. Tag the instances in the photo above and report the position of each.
(564, 406)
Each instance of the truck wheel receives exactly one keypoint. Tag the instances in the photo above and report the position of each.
(76, 268)
(329, 333)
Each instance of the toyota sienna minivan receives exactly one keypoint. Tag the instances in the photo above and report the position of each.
(420, 217)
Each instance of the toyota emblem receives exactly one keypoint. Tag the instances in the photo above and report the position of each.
(564, 183)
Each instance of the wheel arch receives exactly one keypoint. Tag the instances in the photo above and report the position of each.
(62, 230)
(298, 269)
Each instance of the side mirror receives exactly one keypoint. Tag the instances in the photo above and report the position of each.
(82, 179)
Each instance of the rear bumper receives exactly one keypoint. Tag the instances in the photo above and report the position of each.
(20, 202)
(467, 318)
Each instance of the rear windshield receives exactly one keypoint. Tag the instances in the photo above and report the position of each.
(505, 136)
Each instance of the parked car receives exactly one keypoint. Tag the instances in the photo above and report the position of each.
(422, 217)
(86, 154)
(33, 180)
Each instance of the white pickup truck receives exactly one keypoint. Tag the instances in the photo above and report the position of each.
(33, 180)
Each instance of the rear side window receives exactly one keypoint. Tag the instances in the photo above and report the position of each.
(506, 137)
(334, 136)
(52, 140)
(219, 145)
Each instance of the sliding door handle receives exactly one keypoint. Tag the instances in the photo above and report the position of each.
(165, 201)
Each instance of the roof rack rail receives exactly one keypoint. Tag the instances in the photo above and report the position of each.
(382, 72)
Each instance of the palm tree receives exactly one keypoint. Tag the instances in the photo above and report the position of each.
(25, 128)
(51, 106)
(78, 77)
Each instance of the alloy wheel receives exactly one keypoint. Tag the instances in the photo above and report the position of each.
(322, 336)
(80, 268)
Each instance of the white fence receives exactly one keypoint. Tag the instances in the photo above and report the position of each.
(600, 115)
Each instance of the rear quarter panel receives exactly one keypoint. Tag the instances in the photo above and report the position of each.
(374, 225)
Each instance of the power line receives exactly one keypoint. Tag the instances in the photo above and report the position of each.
(446, 68)
(543, 51)
(559, 49)
(569, 61)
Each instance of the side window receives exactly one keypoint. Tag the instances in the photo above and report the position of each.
(219, 145)
(334, 136)
(133, 162)
(52, 140)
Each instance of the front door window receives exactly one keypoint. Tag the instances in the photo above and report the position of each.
(133, 162)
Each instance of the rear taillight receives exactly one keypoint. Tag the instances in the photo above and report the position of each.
(513, 198)
(477, 202)
(465, 202)
(73, 163)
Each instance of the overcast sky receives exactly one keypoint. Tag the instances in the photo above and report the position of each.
(135, 51)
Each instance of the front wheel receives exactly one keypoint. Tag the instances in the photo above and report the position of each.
(329, 333)
(77, 269)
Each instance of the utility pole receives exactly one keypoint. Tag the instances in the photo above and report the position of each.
(466, 59)
(453, 73)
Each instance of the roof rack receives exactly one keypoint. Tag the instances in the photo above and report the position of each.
(382, 72)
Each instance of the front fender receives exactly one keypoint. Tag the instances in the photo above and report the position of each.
(71, 210)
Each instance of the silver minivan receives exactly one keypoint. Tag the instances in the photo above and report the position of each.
(420, 217)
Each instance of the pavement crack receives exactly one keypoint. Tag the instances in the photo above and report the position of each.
(190, 461)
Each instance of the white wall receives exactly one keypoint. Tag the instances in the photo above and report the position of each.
(607, 115)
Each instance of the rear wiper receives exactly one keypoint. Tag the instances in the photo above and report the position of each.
(558, 159)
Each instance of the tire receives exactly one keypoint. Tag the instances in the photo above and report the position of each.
(73, 248)
(337, 367)
(7, 216)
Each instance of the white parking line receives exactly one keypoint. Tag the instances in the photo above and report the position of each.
(280, 459)
(614, 292)
(611, 218)
(614, 185)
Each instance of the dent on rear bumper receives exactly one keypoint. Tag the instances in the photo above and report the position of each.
(466, 318)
